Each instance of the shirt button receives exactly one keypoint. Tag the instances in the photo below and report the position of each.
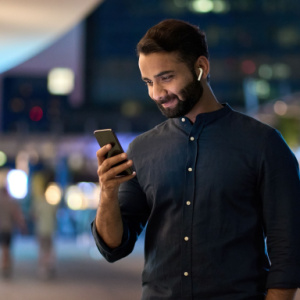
(190, 169)
(192, 138)
(186, 238)
(183, 119)
(188, 202)
(186, 274)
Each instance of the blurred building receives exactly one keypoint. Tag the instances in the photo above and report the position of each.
(254, 48)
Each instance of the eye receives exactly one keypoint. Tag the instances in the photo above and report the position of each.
(167, 77)
(148, 82)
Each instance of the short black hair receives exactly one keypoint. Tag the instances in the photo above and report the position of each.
(173, 35)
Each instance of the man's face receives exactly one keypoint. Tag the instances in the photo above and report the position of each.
(171, 84)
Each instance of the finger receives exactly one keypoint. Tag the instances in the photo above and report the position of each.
(101, 153)
(117, 180)
(118, 170)
(121, 179)
(110, 162)
(111, 178)
(113, 167)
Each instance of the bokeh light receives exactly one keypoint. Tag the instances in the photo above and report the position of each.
(75, 198)
(202, 6)
(248, 66)
(53, 194)
(17, 104)
(281, 71)
(61, 81)
(76, 161)
(17, 182)
(262, 88)
(265, 71)
(220, 6)
(3, 158)
(280, 108)
(83, 195)
(36, 113)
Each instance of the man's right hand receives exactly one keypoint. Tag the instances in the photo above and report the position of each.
(109, 223)
(107, 171)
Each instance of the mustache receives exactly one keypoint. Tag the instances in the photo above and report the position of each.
(167, 99)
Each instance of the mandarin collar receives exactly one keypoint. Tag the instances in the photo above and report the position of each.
(204, 117)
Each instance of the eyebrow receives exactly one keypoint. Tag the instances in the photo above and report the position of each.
(159, 74)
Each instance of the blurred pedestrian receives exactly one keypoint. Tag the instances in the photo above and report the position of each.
(11, 216)
(45, 226)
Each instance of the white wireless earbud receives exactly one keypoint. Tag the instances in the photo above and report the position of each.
(200, 74)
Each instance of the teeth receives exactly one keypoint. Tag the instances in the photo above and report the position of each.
(164, 101)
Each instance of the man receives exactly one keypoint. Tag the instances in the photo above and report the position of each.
(211, 184)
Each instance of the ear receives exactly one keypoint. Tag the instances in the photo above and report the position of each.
(203, 63)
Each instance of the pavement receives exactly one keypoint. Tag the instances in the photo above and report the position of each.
(81, 273)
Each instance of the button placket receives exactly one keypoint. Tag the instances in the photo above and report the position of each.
(187, 243)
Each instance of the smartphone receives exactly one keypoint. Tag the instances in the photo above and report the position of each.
(107, 136)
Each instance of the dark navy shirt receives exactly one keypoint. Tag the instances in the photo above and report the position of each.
(213, 194)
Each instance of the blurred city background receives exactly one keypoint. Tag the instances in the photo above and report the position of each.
(69, 67)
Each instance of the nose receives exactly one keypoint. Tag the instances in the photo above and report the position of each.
(158, 92)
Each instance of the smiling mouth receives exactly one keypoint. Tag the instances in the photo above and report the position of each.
(169, 103)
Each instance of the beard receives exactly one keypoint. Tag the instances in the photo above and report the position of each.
(190, 96)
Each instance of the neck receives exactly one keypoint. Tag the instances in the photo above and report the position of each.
(207, 103)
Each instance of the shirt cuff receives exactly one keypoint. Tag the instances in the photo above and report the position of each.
(111, 255)
(287, 279)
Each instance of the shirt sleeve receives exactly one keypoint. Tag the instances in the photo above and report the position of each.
(135, 213)
(112, 255)
(280, 194)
